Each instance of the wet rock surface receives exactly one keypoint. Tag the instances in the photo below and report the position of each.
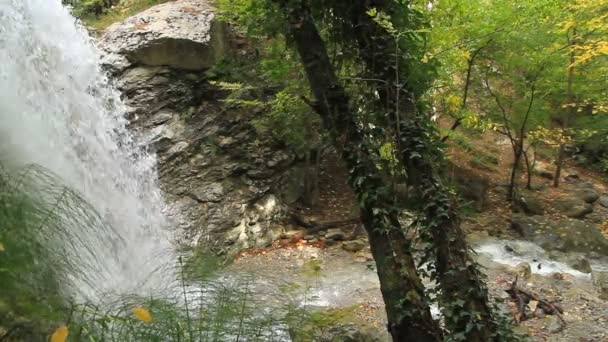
(226, 190)
(531, 205)
(341, 290)
(354, 245)
(568, 235)
(600, 280)
(589, 195)
(335, 234)
(183, 34)
(584, 310)
(573, 207)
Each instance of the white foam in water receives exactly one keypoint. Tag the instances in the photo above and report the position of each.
(524, 251)
(57, 111)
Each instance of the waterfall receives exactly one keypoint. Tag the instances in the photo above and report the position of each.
(58, 111)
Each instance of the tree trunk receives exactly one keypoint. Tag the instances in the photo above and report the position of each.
(464, 298)
(558, 165)
(467, 83)
(529, 170)
(311, 178)
(408, 313)
(570, 113)
(518, 151)
(464, 295)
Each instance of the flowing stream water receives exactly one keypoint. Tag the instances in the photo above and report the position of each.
(58, 111)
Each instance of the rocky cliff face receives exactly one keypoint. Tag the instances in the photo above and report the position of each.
(225, 188)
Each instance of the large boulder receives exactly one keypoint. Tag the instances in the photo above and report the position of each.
(604, 201)
(530, 205)
(225, 189)
(566, 235)
(573, 207)
(588, 195)
(183, 34)
(599, 215)
(599, 276)
(336, 325)
(595, 148)
(578, 261)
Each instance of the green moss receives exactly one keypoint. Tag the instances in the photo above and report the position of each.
(312, 268)
(115, 14)
(484, 161)
(336, 325)
(201, 265)
(460, 140)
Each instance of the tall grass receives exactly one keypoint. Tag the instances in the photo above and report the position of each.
(218, 313)
(43, 236)
(41, 222)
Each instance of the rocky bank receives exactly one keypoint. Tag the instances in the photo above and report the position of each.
(226, 189)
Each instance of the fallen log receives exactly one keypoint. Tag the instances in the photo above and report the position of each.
(313, 226)
(523, 298)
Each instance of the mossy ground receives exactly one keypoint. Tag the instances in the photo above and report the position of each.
(117, 13)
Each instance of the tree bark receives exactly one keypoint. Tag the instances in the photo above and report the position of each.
(529, 170)
(464, 295)
(408, 313)
(558, 165)
(570, 113)
(311, 178)
(518, 151)
(467, 83)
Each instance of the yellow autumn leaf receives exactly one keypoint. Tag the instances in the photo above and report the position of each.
(142, 314)
(2, 249)
(60, 334)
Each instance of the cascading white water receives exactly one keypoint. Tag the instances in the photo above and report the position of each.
(57, 111)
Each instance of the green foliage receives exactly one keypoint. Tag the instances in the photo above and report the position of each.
(485, 161)
(389, 161)
(514, 47)
(41, 221)
(201, 265)
(274, 78)
(99, 14)
(461, 140)
(312, 269)
(209, 311)
(603, 164)
(273, 70)
(290, 121)
(89, 7)
(257, 19)
(326, 325)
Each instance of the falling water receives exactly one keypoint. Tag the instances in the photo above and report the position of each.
(58, 111)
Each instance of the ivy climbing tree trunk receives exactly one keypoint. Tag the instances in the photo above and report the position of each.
(464, 299)
(408, 313)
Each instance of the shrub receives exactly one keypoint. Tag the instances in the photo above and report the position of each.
(89, 7)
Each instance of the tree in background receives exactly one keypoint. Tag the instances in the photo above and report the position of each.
(90, 7)
(584, 27)
(498, 54)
